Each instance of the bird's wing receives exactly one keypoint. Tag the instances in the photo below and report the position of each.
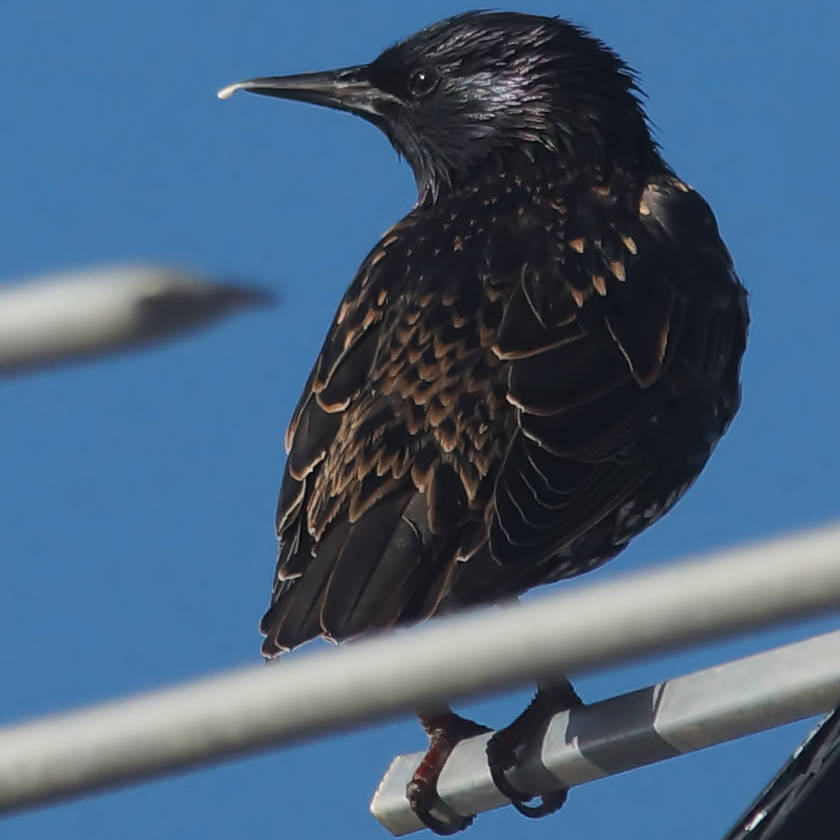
(614, 425)
(386, 479)
(512, 409)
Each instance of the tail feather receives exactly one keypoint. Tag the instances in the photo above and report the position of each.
(380, 550)
(387, 568)
(294, 615)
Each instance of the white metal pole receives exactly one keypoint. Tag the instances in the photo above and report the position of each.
(654, 723)
(64, 316)
(578, 628)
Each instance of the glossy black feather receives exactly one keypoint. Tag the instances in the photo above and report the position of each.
(527, 370)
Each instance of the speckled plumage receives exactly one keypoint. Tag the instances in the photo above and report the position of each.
(524, 374)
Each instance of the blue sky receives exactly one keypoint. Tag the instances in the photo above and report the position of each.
(139, 492)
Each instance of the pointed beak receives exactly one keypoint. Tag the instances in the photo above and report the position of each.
(348, 89)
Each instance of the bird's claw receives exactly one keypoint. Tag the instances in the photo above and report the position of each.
(445, 731)
(501, 756)
(422, 797)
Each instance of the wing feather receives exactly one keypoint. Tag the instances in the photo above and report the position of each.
(507, 411)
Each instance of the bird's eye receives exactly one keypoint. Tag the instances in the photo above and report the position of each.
(422, 81)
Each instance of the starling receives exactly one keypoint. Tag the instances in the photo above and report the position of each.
(527, 370)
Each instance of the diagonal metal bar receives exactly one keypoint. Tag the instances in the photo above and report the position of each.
(581, 627)
(654, 723)
(67, 316)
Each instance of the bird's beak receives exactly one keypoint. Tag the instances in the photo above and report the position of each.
(347, 89)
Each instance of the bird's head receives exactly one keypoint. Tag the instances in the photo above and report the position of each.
(482, 87)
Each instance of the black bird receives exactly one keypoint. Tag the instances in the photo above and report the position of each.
(528, 369)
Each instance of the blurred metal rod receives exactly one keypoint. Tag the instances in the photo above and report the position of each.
(578, 628)
(66, 316)
(654, 723)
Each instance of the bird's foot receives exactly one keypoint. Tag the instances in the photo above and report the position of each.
(502, 751)
(505, 748)
(444, 731)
